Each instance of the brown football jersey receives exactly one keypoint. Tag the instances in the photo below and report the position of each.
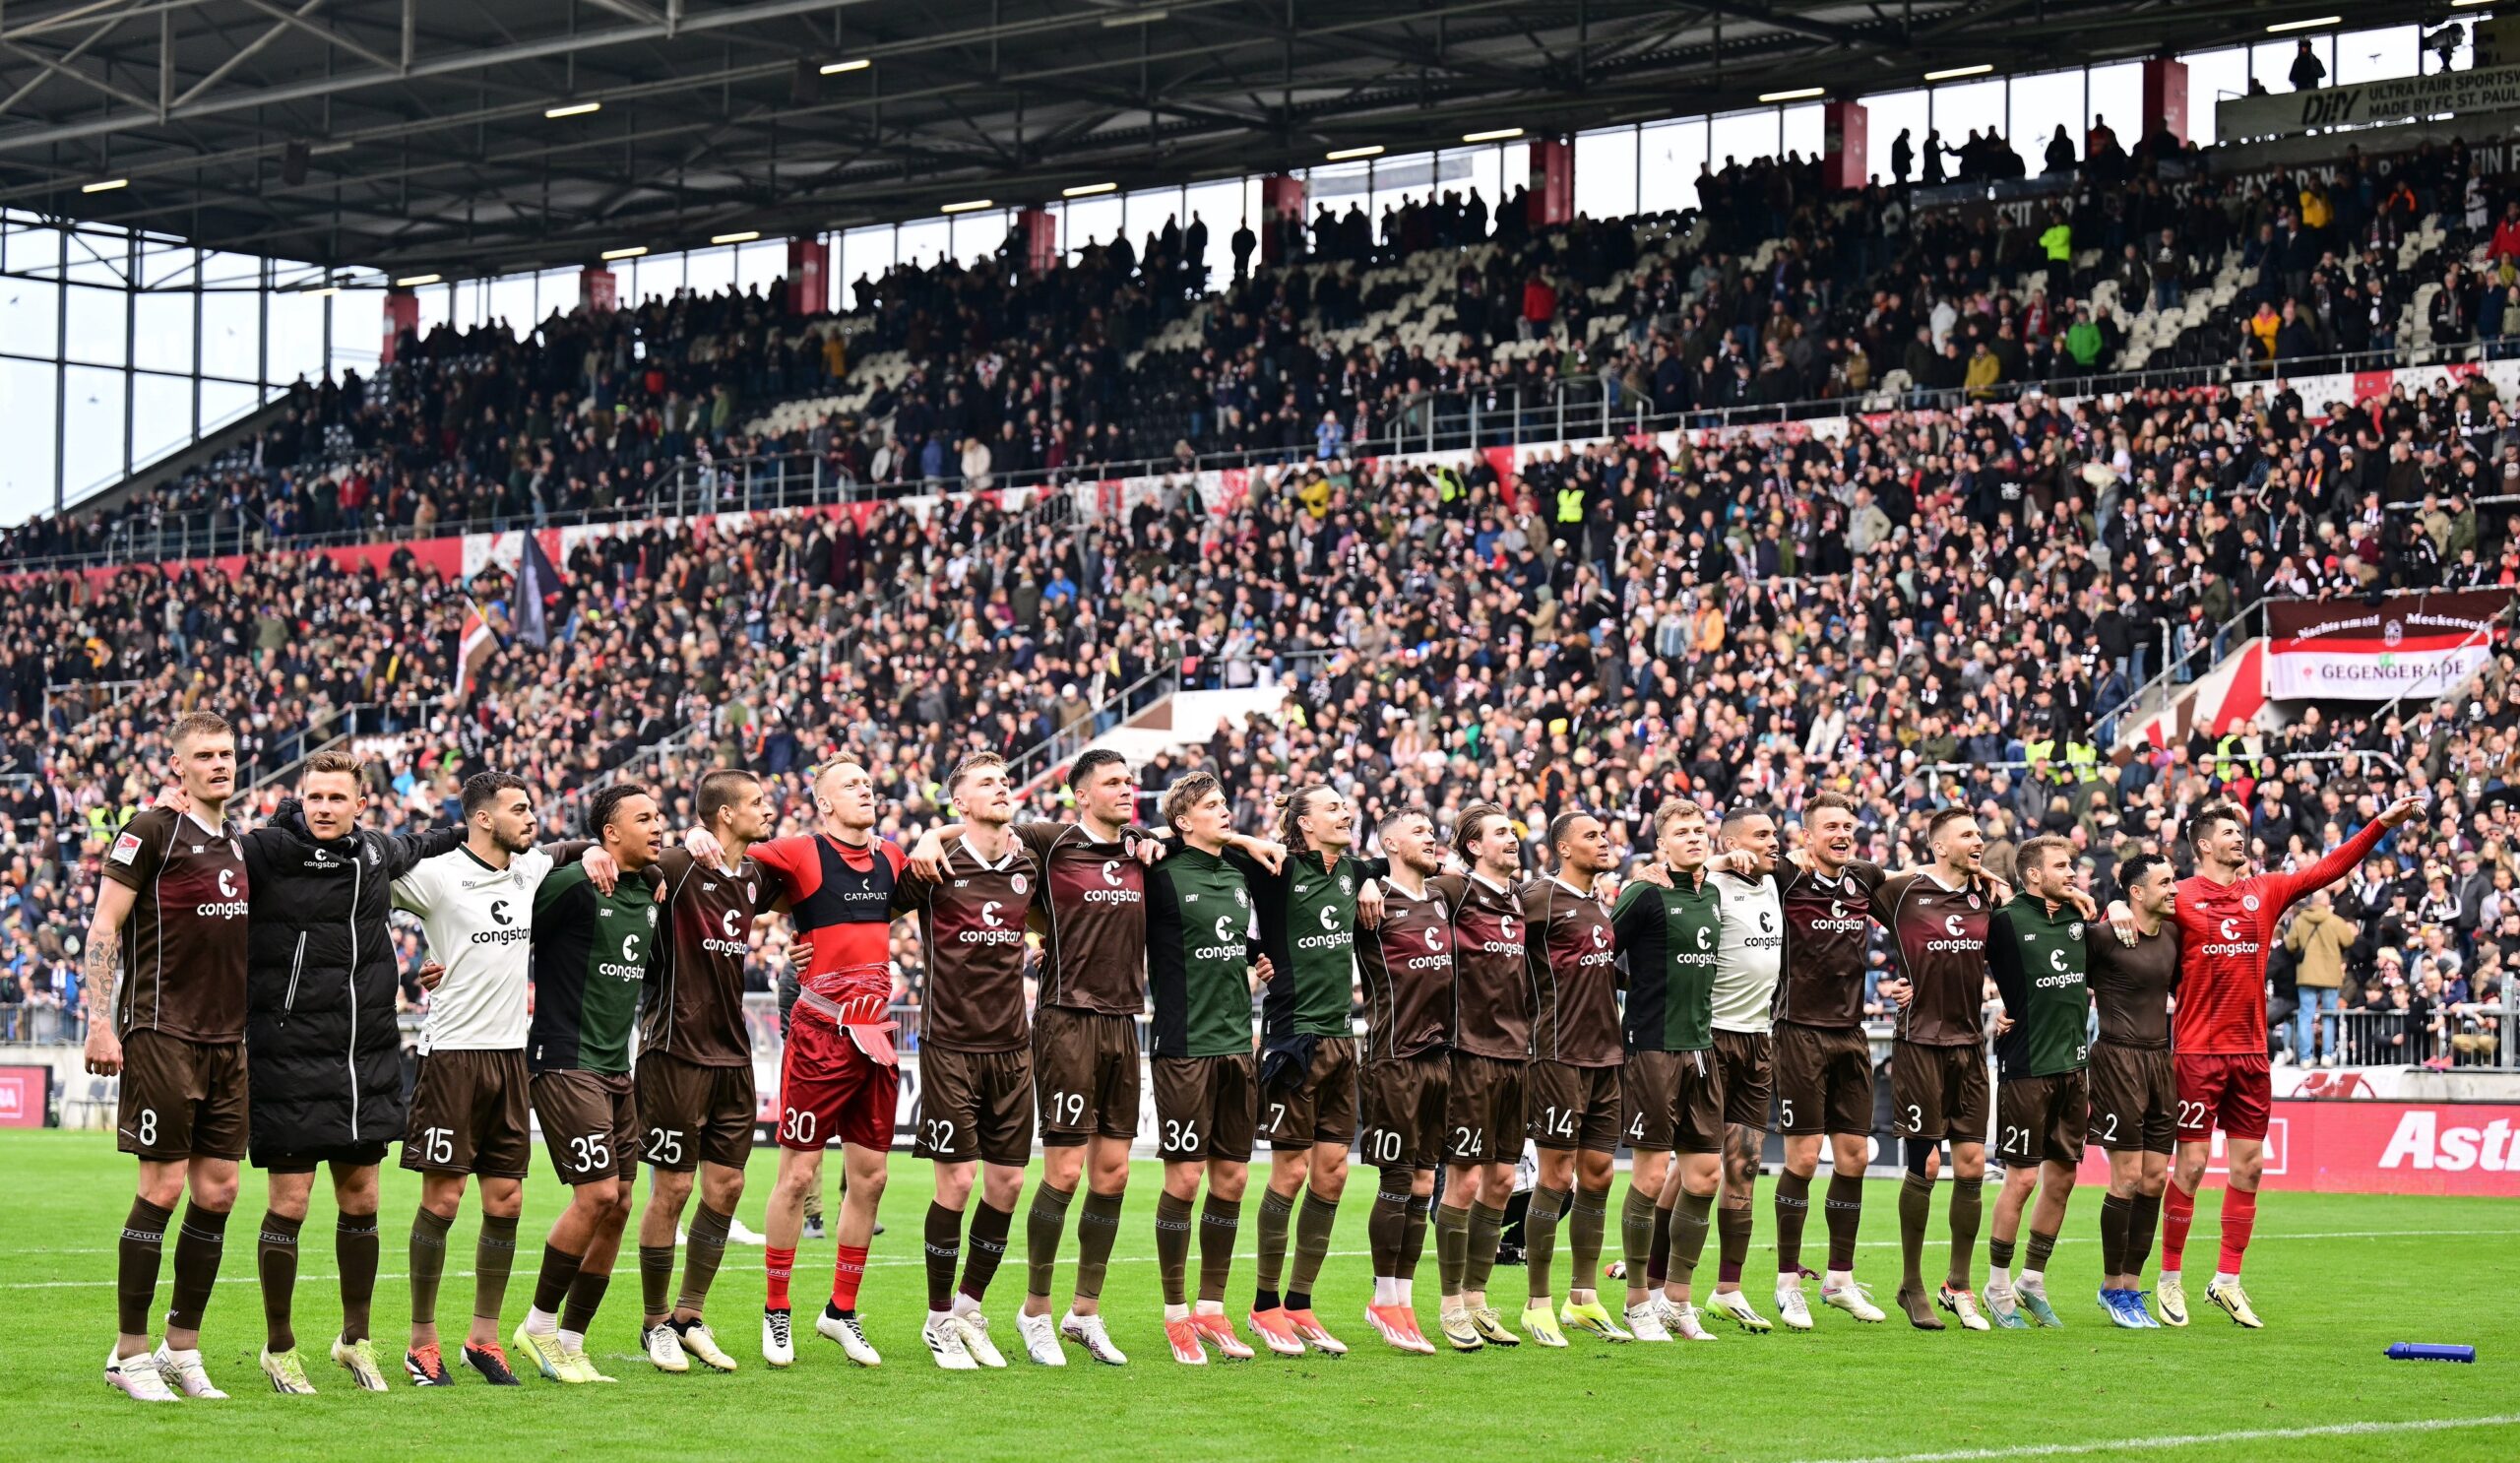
(695, 1006)
(971, 922)
(1491, 991)
(183, 949)
(1408, 967)
(1938, 946)
(1828, 922)
(1092, 917)
(1573, 959)
(2132, 987)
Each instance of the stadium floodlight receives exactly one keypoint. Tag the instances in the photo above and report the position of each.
(2464, 4)
(1349, 154)
(2313, 24)
(1134, 18)
(413, 281)
(105, 186)
(743, 237)
(1956, 72)
(573, 109)
(854, 63)
(633, 252)
(966, 206)
(1799, 93)
(1493, 134)
(322, 290)
(1088, 190)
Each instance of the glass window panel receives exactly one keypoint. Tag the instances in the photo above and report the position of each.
(511, 299)
(867, 253)
(297, 326)
(358, 329)
(2039, 106)
(923, 242)
(28, 418)
(1146, 211)
(1606, 173)
(1743, 137)
(230, 271)
(2375, 55)
(1670, 153)
(2210, 77)
(760, 263)
(708, 272)
(1514, 171)
(557, 289)
(2117, 94)
(162, 326)
(97, 327)
(1807, 131)
(1885, 118)
(1090, 220)
(96, 255)
(231, 329)
(1486, 180)
(1219, 204)
(165, 266)
(161, 416)
(91, 430)
(2272, 60)
(29, 316)
(433, 300)
(1960, 108)
(1338, 184)
(223, 402)
(978, 236)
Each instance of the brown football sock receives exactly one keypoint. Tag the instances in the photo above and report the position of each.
(1658, 1245)
(1844, 1209)
(493, 1257)
(2143, 1215)
(1732, 1241)
(275, 1267)
(944, 1254)
(1313, 1224)
(702, 1254)
(990, 1227)
(2113, 1235)
(1172, 1246)
(1689, 1220)
(428, 1264)
(197, 1245)
(1277, 1215)
(1539, 1238)
(1412, 1236)
(354, 1247)
(1219, 1222)
(1968, 1201)
(1792, 1209)
(1097, 1225)
(136, 1258)
(586, 1296)
(1383, 1224)
(1044, 1226)
(1486, 1229)
(559, 1272)
(1998, 1258)
(656, 1283)
(2040, 1249)
(1916, 1206)
(1588, 1224)
(1636, 1232)
(1452, 1248)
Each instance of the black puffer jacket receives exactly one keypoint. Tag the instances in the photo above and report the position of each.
(321, 1041)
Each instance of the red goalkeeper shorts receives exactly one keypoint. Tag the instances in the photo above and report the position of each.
(828, 1088)
(2232, 1091)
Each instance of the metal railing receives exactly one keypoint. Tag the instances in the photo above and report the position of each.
(1029, 769)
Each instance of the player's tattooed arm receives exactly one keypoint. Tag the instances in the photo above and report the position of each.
(99, 971)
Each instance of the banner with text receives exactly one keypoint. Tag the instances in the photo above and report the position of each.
(2404, 98)
(2351, 650)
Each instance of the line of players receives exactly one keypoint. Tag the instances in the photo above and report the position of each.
(1494, 1014)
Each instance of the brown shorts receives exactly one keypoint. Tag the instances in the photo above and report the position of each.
(471, 1114)
(1746, 1071)
(590, 1124)
(1317, 1105)
(974, 1105)
(1574, 1106)
(690, 1115)
(1207, 1107)
(1823, 1080)
(2134, 1098)
(1484, 1110)
(1675, 1102)
(2041, 1120)
(181, 1098)
(1940, 1092)
(1404, 1101)
(1084, 1075)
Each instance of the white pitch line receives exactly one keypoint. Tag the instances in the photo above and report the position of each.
(2191, 1439)
(1336, 1254)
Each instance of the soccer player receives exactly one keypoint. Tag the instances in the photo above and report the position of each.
(1406, 1077)
(1576, 1056)
(975, 1054)
(1092, 917)
(1307, 922)
(321, 1032)
(1202, 942)
(1750, 957)
(2133, 1090)
(1823, 1059)
(592, 952)
(695, 1084)
(839, 1074)
(164, 969)
(1490, 1063)
(1666, 934)
(2036, 953)
(1937, 917)
(2226, 923)
(469, 1105)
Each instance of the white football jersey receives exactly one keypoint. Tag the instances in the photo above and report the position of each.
(1749, 953)
(479, 923)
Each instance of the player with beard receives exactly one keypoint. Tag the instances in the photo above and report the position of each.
(1574, 1101)
(1749, 961)
(2227, 920)
(1491, 1022)
(1405, 1076)
(2036, 954)
(2134, 1093)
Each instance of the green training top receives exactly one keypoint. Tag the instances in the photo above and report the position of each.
(590, 957)
(2037, 960)
(1200, 930)
(1667, 942)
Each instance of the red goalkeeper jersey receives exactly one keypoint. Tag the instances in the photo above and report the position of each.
(841, 896)
(2225, 931)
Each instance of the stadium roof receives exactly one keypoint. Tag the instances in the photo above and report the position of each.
(480, 136)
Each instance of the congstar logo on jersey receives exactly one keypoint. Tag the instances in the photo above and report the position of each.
(991, 931)
(1332, 936)
(227, 906)
(1111, 890)
(629, 967)
(1229, 942)
(1839, 921)
(2230, 943)
(731, 937)
(1954, 937)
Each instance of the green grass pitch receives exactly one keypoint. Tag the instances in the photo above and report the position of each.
(2337, 1277)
